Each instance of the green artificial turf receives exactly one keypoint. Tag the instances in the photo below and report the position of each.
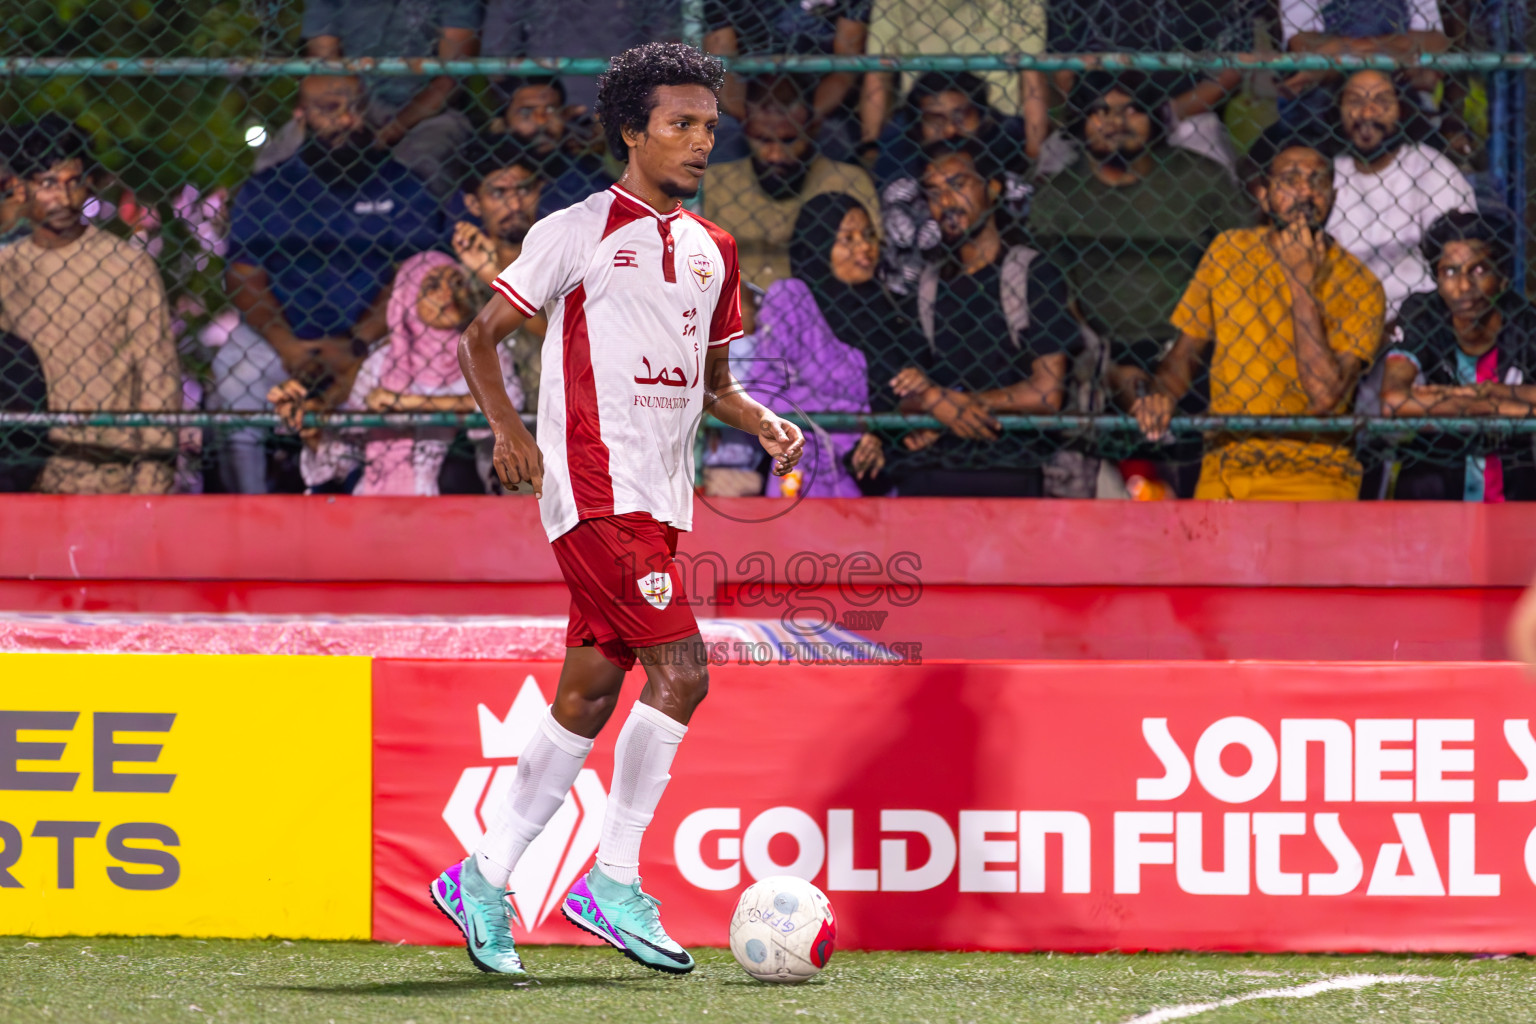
(186, 980)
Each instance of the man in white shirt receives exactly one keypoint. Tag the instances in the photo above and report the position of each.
(642, 298)
(1389, 190)
(1397, 28)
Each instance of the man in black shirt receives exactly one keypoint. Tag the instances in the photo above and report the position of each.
(1466, 349)
(998, 332)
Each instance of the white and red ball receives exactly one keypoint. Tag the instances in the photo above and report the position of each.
(783, 930)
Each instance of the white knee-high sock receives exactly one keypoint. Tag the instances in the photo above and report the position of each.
(641, 761)
(545, 772)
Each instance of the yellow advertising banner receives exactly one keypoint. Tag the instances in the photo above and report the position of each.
(202, 795)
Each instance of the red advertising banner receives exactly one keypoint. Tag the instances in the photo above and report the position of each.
(1068, 806)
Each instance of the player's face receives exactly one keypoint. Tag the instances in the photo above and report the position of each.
(673, 151)
(507, 203)
(56, 197)
(854, 250)
(1467, 278)
(1300, 188)
(957, 195)
(536, 117)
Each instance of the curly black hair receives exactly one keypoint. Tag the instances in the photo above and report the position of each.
(626, 92)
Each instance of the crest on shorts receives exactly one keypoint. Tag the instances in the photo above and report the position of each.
(703, 270)
(656, 588)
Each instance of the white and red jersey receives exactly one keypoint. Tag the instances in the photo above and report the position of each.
(636, 298)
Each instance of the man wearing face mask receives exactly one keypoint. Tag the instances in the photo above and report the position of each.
(1289, 320)
(1389, 189)
(314, 242)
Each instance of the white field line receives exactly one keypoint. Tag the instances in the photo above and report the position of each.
(1316, 988)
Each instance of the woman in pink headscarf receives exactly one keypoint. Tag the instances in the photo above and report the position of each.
(417, 370)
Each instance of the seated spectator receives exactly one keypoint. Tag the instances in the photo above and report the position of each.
(1188, 103)
(831, 339)
(1294, 319)
(1389, 189)
(837, 27)
(573, 28)
(1468, 348)
(314, 243)
(757, 200)
(407, 114)
(537, 117)
(503, 192)
(91, 308)
(939, 27)
(1395, 28)
(998, 336)
(1130, 222)
(417, 371)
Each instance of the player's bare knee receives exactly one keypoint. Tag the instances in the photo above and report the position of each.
(585, 713)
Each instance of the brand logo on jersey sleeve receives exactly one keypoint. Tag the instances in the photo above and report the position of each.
(703, 270)
(656, 588)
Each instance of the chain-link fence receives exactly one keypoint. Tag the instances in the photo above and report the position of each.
(1245, 249)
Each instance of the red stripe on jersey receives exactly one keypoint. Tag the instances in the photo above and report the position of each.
(620, 214)
(519, 303)
(725, 325)
(585, 452)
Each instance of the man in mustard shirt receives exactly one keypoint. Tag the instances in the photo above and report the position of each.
(1294, 320)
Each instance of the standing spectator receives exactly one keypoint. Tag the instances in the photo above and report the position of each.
(573, 28)
(1130, 223)
(1389, 189)
(1188, 104)
(92, 308)
(959, 26)
(834, 27)
(831, 339)
(1466, 349)
(537, 116)
(409, 114)
(998, 331)
(314, 243)
(1294, 319)
(757, 200)
(1395, 28)
(417, 371)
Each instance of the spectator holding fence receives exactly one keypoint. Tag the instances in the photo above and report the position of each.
(1468, 348)
(416, 371)
(92, 309)
(1289, 319)
(314, 243)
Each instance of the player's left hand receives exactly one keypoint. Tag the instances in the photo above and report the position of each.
(783, 440)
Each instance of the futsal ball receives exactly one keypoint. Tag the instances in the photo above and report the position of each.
(783, 930)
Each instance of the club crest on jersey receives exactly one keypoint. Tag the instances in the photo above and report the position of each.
(703, 270)
(656, 588)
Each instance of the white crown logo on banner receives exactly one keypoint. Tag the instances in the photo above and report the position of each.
(552, 862)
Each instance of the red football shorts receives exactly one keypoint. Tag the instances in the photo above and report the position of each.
(626, 591)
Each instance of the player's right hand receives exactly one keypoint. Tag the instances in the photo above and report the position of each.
(1153, 413)
(518, 461)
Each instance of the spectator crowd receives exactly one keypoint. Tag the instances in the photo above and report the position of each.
(954, 245)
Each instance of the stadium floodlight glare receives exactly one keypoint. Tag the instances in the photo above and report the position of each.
(256, 136)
